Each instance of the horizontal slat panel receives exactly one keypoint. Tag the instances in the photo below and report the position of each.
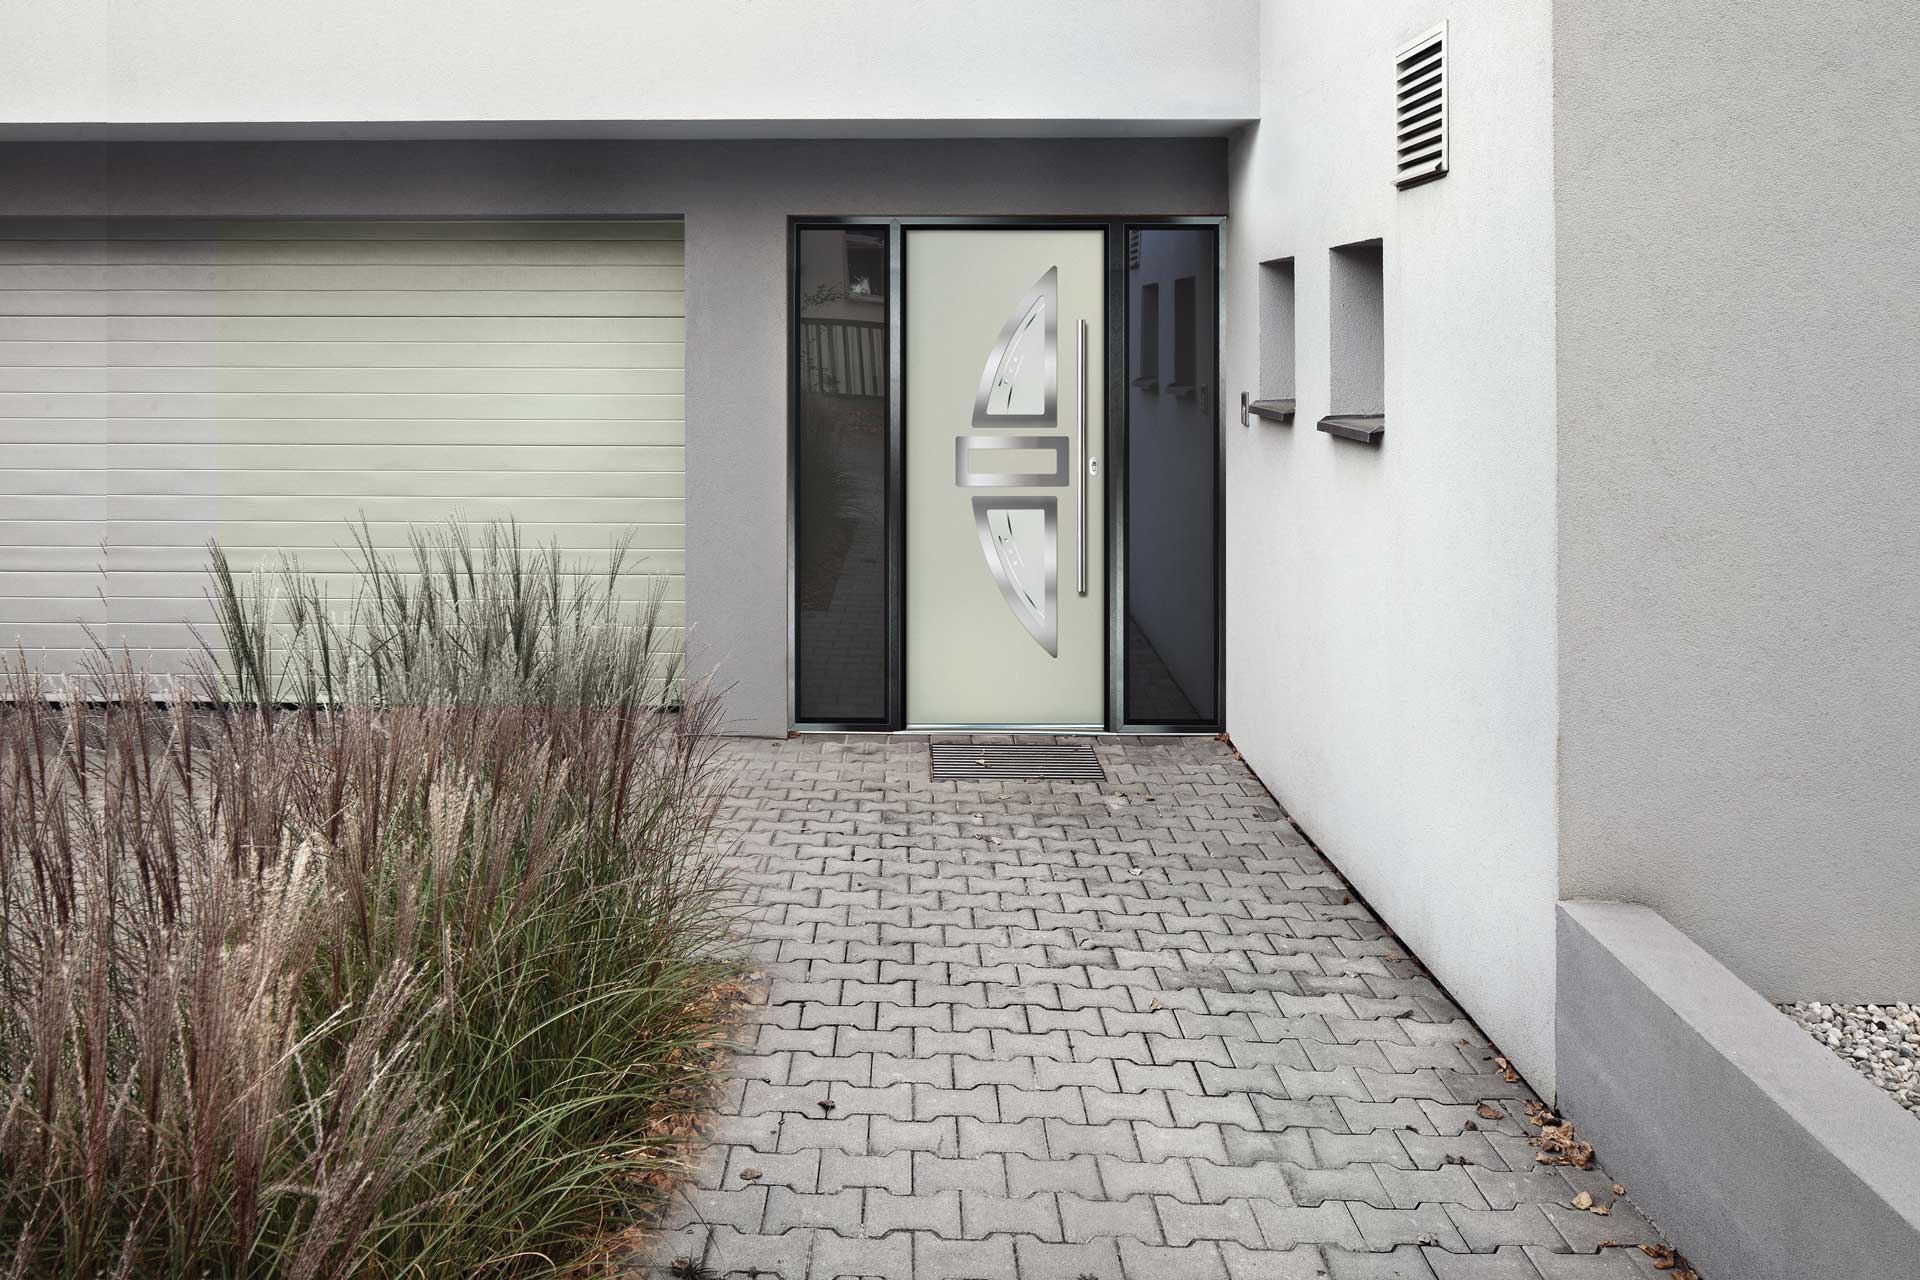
(325, 459)
(165, 658)
(266, 383)
(84, 590)
(345, 431)
(136, 229)
(320, 302)
(166, 633)
(395, 278)
(535, 509)
(350, 252)
(300, 531)
(343, 405)
(341, 556)
(339, 357)
(664, 479)
(248, 328)
(259, 381)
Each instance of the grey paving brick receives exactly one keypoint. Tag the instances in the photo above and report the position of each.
(836, 1257)
(1199, 1261)
(838, 1171)
(1302, 1262)
(940, 1137)
(985, 1173)
(740, 1206)
(1045, 1259)
(1387, 1228)
(1218, 1183)
(938, 1259)
(1078, 1175)
(1063, 1139)
(1131, 1030)
(1152, 1106)
(985, 1215)
(787, 1209)
(733, 1253)
(935, 1211)
(1448, 1185)
(1227, 1220)
(1284, 1226)
(1029, 1137)
(1404, 1263)
(1199, 1142)
(1508, 1262)
(1610, 1264)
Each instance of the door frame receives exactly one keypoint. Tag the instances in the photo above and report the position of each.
(1114, 444)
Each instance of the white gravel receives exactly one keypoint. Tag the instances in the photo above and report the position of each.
(1880, 1041)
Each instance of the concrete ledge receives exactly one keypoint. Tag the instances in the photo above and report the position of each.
(1759, 1153)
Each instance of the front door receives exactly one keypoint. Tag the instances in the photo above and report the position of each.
(1005, 502)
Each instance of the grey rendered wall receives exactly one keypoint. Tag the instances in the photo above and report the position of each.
(736, 197)
(1390, 651)
(1738, 294)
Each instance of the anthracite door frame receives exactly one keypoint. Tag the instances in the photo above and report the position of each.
(1115, 447)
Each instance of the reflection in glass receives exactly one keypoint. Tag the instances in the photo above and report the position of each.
(1172, 639)
(840, 518)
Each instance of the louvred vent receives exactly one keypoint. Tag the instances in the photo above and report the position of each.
(1420, 109)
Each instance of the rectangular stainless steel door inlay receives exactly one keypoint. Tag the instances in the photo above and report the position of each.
(991, 637)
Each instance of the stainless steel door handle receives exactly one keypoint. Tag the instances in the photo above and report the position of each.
(1080, 471)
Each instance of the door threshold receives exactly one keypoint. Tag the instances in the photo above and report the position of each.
(1079, 729)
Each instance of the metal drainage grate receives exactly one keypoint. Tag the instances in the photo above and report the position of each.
(965, 760)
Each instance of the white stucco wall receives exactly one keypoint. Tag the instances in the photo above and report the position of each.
(661, 68)
(1738, 191)
(1390, 611)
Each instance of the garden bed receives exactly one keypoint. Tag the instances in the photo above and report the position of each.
(1880, 1041)
(403, 953)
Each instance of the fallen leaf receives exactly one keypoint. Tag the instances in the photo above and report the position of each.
(1619, 1190)
(1506, 1070)
(1487, 1111)
(751, 1175)
(1584, 1200)
(1603, 1210)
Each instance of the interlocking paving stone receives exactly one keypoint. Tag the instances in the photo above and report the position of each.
(1137, 1030)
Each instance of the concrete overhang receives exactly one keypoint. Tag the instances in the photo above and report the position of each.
(692, 69)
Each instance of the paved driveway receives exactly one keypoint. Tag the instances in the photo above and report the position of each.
(1132, 1030)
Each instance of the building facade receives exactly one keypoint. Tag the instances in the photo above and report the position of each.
(1564, 548)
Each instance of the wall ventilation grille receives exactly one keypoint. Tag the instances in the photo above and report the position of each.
(1420, 109)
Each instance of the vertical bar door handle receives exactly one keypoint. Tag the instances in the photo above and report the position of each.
(1080, 471)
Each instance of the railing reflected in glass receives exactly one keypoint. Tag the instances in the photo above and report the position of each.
(841, 467)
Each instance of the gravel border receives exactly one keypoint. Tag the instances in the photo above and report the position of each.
(1880, 1041)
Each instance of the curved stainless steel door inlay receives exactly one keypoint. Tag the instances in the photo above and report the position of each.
(1019, 382)
(1021, 538)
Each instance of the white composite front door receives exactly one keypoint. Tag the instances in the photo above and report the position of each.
(1005, 503)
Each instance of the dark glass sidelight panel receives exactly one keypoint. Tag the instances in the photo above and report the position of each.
(1171, 636)
(841, 465)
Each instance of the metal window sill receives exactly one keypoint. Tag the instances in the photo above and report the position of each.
(1271, 410)
(1361, 428)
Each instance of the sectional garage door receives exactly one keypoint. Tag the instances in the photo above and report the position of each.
(265, 382)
